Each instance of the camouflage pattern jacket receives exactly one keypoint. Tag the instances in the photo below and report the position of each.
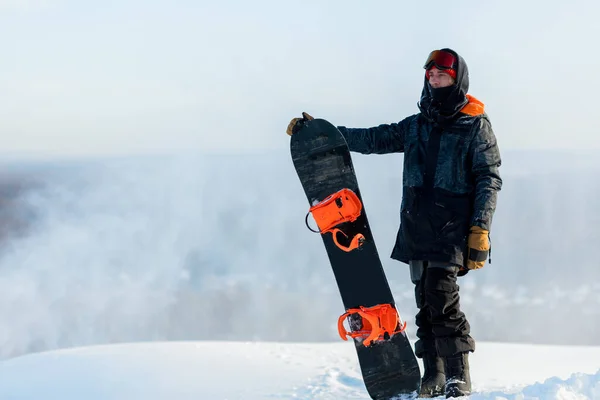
(450, 177)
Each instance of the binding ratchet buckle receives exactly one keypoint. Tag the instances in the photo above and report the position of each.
(376, 323)
(342, 206)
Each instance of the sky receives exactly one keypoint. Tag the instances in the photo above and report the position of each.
(130, 76)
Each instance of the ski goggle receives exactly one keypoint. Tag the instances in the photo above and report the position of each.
(441, 59)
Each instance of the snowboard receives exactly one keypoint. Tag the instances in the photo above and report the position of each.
(322, 161)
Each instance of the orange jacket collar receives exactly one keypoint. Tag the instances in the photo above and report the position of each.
(473, 107)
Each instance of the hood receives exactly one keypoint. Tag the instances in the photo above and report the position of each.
(442, 105)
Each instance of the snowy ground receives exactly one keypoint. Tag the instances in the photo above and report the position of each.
(261, 370)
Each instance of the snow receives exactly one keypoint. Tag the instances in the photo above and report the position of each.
(272, 370)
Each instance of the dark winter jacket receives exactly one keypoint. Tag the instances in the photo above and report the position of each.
(450, 179)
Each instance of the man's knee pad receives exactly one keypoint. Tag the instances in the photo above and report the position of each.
(441, 280)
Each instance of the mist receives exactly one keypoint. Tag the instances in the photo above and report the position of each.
(215, 247)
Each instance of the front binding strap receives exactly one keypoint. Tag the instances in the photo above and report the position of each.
(378, 323)
(338, 208)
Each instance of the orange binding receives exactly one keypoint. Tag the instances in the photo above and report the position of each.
(342, 206)
(379, 322)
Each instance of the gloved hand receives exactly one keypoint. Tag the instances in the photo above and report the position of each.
(478, 244)
(296, 123)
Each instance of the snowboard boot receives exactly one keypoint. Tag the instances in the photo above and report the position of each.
(458, 378)
(434, 379)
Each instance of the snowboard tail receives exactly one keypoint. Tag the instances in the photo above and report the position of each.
(322, 161)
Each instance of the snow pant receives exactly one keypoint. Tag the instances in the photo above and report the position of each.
(442, 328)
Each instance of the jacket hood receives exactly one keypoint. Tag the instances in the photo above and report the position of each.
(442, 105)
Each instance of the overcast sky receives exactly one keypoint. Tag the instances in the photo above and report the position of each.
(130, 76)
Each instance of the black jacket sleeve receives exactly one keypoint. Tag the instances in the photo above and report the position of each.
(486, 161)
(382, 139)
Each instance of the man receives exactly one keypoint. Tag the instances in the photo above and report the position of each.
(450, 186)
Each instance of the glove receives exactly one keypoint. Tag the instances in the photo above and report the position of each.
(478, 244)
(296, 123)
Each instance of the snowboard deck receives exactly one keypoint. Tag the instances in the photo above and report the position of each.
(323, 163)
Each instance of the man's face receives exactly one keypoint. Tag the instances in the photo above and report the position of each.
(439, 79)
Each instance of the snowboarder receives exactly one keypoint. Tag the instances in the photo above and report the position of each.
(450, 186)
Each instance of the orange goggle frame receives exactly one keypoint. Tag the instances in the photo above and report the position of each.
(441, 59)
